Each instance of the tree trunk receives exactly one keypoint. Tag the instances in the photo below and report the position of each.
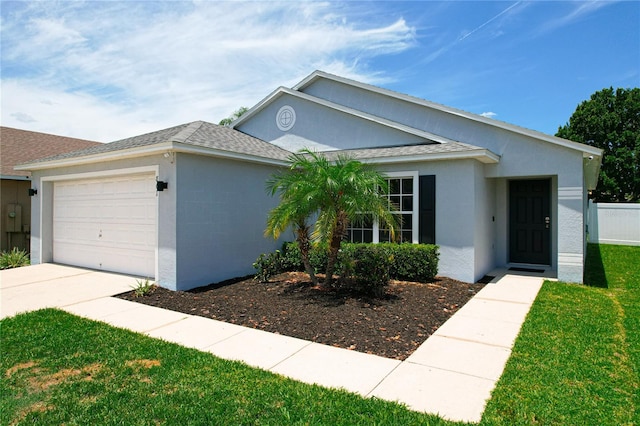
(305, 248)
(337, 235)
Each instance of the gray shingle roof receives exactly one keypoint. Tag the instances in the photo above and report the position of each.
(404, 151)
(207, 135)
(197, 133)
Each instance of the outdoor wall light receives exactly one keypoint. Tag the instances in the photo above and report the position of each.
(32, 192)
(161, 186)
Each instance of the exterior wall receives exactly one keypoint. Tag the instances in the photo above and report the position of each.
(15, 192)
(521, 157)
(222, 209)
(321, 128)
(485, 222)
(456, 215)
(42, 208)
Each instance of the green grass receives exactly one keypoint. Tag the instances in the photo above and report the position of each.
(60, 369)
(575, 362)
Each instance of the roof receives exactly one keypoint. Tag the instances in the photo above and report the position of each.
(588, 150)
(198, 137)
(282, 91)
(421, 152)
(20, 146)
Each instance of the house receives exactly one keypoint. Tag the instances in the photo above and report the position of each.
(488, 193)
(16, 147)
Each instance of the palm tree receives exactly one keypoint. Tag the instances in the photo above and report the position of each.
(293, 211)
(339, 192)
(348, 189)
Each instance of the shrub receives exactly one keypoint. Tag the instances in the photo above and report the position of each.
(268, 265)
(409, 262)
(365, 268)
(413, 262)
(14, 259)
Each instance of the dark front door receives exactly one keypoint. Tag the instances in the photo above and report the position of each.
(529, 221)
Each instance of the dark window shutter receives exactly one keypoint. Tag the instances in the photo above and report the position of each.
(427, 209)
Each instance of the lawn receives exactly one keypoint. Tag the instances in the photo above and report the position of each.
(577, 358)
(576, 361)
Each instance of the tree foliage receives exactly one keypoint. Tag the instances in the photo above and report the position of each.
(333, 192)
(610, 120)
(236, 114)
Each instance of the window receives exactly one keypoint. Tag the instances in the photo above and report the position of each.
(403, 194)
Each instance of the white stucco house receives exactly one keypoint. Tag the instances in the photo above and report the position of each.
(489, 193)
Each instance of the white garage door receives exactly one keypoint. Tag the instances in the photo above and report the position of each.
(107, 223)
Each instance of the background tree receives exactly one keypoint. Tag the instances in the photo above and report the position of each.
(338, 192)
(236, 114)
(610, 120)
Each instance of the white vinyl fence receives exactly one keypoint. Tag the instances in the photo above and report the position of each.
(613, 223)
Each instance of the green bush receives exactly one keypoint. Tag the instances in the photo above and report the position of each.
(413, 262)
(268, 265)
(14, 259)
(365, 268)
(409, 262)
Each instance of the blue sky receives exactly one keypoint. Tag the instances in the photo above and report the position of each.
(106, 70)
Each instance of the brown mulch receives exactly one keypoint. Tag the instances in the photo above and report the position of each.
(392, 326)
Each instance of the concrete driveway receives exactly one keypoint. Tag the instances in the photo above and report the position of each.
(55, 286)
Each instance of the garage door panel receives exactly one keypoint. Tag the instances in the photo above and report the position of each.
(107, 223)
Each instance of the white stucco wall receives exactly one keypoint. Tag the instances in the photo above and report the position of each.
(222, 209)
(521, 157)
(456, 214)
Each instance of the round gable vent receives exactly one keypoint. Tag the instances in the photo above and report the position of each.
(286, 118)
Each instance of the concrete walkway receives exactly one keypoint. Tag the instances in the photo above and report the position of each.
(451, 374)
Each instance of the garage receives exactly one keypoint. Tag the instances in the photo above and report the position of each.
(107, 223)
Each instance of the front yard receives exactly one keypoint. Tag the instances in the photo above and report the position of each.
(576, 361)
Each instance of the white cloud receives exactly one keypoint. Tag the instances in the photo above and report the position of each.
(579, 10)
(489, 114)
(113, 68)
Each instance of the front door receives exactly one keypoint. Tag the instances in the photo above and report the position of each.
(530, 221)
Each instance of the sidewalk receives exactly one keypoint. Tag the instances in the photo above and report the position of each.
(451, 374)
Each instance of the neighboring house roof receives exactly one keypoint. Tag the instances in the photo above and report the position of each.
(198, 137)
(20, 146)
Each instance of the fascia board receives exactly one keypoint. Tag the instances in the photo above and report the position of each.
(588, 150)
(98, 158)
(212, 152)
(311, 78)
(146, 151)
(368, 117)
(15, 177)
(258, 107)
(484, 156)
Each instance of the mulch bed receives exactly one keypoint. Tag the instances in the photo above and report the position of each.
(392, 326)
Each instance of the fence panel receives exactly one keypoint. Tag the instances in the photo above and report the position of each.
(613, 223)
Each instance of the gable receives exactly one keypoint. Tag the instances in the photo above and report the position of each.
(326, 126)
(448, 122)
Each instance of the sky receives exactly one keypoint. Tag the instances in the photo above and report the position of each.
(107, 70)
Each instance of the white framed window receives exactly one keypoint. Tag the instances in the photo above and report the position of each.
(403, 193)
